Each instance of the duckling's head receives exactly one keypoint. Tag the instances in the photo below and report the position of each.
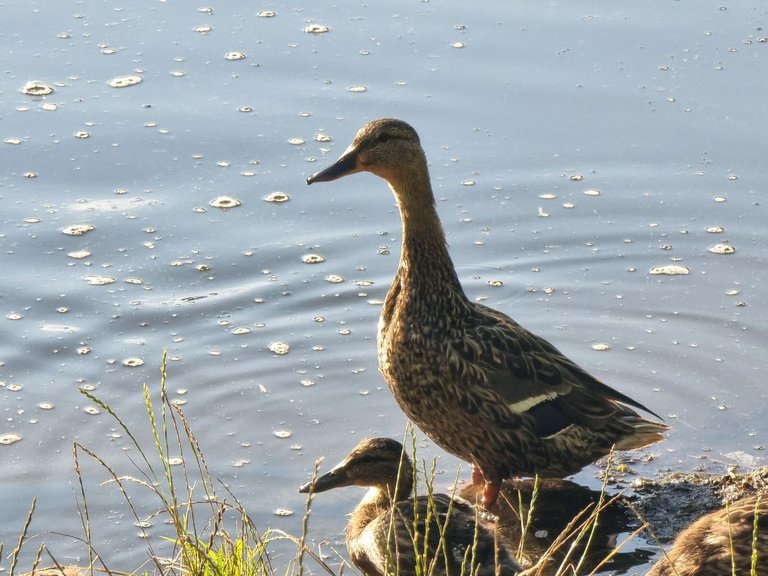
(374, 462)
(387, 147)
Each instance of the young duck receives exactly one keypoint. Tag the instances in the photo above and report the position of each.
(391, 532)
(720, 540)
(480, 385)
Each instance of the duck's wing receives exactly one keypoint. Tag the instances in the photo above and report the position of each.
(531, 376)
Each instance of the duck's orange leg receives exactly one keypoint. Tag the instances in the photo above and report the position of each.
(477, 475)
(490, 494)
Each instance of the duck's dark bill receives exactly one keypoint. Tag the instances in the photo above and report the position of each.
(333, 479)
(343, 166)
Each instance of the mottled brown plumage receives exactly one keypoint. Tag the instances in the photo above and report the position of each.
(705, 547)
(382, 529)
(480, 385)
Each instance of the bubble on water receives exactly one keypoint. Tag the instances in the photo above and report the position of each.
(547, 196)
(266, 14)
(715, 229)
(669, 270)
(277, 197)
(36, 88)
(312, 259)
(357, 89)
(225, 202)
(732, 292)
(720, 199)
(569, 205)
(14, 316)
(9, 438)
(283, 434)
(13, 140)
(457, 44)
(62, 309)
(344, 331)
(240, 463)
(63, 328)
(316, 29)
(334, 279)
(99, 280)
(82, 134)
(15, 387)
(49, 107)
(592, 192)
(601, 346)
(721, 249)
(132, 280)
(469, 182)
(203, 268)
(307, 383)
(175, 461)
(279, 347)
(45, 405)
(283, 512)
(30, 174)
(175, 74)
(576, 177)
(133, 362)
(245, 109)
(234, 56)
(203, 29)
(83, 350)
(79, 254)
(496, 283)
(240, 330)
(296, 141)
(77, 229)
(125, 81)
(320, 137)
(92, 410)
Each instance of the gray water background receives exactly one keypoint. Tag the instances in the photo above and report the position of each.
(521, 107)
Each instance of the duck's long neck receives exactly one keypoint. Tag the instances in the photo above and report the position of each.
(425, 265)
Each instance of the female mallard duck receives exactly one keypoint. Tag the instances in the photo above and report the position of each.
(391, 533)
(474, 380)
(720, 541)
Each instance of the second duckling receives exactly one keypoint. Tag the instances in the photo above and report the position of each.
(391, 532)
(720, 542)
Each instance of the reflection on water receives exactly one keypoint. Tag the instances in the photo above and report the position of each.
(524, 111)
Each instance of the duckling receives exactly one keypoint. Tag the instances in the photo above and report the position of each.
(720, 541)
(475, 381)
(391, 532)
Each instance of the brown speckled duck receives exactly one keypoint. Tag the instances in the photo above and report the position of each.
(476, 382)
(386, 523)
(720, 541)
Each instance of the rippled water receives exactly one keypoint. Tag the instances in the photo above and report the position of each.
(526, 111)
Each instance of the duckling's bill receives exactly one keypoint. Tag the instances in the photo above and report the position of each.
(334, 479)
(345, 165)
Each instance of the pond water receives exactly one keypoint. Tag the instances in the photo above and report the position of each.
(573, 150)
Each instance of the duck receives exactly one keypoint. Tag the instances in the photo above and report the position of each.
(719, 541)
(392, 532)
(476, 382)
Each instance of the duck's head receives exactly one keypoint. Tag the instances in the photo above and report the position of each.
(374, 462)
(386, 147)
